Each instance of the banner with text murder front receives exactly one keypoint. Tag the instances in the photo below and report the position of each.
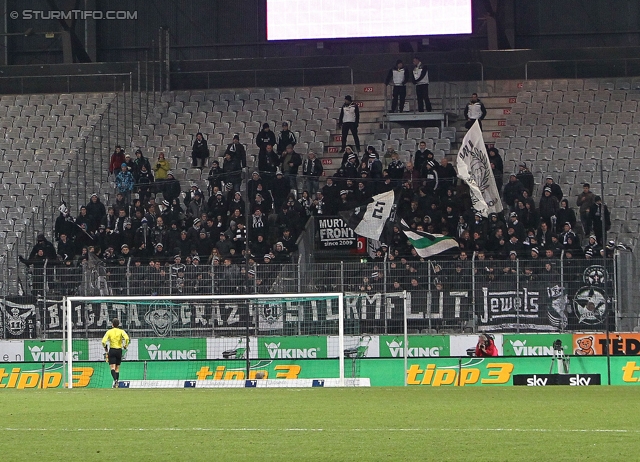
(334, 233)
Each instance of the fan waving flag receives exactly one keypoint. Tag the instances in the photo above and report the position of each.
(368, 220)
(474, 169)
(428, 245)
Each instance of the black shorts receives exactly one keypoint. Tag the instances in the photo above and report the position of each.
(115, 356)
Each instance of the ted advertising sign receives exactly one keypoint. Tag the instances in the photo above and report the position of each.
(620, 344)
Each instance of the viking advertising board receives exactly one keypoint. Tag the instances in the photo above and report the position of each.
(535, 344)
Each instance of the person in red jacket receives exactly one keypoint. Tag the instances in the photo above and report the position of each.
(486, 347)
(117, 158)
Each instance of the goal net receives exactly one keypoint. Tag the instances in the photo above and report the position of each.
(273, 340)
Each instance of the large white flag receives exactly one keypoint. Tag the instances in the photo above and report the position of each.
(474, 169)
(368, 220)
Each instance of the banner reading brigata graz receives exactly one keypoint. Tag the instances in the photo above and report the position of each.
(426, 372)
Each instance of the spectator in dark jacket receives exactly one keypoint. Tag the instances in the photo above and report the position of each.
(215, 177)
(267, 164)
(96, 210)
(265, 137)
(139, 162)
(171, 187)
(200, 151)
(290, 162)
(49, 251)
(232, 170)
(556, 191)
(526, 177)
(396, 169)
(596, 216)
(65, 224)
(447, 176)
(512, 190)
(238, 152)
(421, 156)
(549, 206)
(285, 138)
(312, 170)
(565, 215)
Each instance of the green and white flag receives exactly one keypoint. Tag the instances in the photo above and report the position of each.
(427, 244)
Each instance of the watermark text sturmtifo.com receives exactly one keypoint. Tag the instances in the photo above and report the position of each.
(74, 14)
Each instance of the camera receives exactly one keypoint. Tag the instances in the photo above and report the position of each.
(557, 345)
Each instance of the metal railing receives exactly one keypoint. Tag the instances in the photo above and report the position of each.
(445, 71)
(449, 99)
(479, 293)
(63, 83)
(294, 76)
(583, 68)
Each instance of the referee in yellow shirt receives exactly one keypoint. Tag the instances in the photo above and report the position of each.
(118, 340)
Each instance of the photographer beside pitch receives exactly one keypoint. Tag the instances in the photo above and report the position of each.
(485, 346)
(118, 340)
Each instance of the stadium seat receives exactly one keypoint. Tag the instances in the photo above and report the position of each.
(414, 134)
(432, 132)
(572, 166)
(626, 152)
(608, 118)
(523, 97)
(628, 189)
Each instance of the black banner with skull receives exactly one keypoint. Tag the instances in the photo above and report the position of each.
(18, 317)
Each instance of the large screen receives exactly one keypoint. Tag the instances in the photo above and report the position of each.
(328, 19)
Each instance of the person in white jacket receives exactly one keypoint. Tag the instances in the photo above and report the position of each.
(474, 110)
(421, 80)
(398, 77)
(349, 120)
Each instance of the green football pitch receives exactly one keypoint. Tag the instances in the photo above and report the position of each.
(470, 424)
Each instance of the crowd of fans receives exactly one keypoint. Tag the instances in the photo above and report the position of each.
(154, 224)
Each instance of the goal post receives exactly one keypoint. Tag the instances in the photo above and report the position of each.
(208, 340)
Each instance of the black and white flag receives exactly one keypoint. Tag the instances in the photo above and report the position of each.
(474, 169)
(368, 220)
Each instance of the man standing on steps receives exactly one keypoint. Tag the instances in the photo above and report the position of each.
(421, 80)
(474, 110)
(312, 170)
(118, 340)
(349, 120)
(397, 77)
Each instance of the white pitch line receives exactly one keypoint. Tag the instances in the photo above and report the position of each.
(462, 430)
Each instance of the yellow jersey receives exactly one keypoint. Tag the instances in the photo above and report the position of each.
(116, 337)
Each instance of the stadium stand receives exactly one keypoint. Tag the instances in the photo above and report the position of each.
(558, 128)
(42, 135)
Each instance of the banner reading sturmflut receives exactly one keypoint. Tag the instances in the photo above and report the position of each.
(474, 169)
